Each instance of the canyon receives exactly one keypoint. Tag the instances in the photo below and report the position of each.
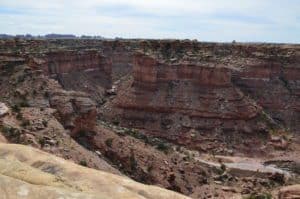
(207, 120)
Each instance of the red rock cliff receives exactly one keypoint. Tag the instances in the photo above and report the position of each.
(170, 99)
(85, 70)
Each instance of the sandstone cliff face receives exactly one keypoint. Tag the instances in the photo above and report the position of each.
(84, 70)
(275, 87)
(67, 61)
(190, 89)
(268, 74)
(174, 98)
(121, 55)
(29, 173)
(224, 91)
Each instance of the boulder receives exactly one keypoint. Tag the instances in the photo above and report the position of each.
(3, 109)
(77, 111)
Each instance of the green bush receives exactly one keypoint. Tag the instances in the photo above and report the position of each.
(83, 163)
(45, 123)
(16, 108)
(46, 94)
(223, 167)
(10, 132)
(34, 92)
(42, 141)
(116, 122)
(259, 196)
(133, 163)
(162, 147)
(19, 116)
(25, 123)
(24, 103)
(109, 141)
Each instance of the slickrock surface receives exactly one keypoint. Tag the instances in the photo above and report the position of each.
(26, 172)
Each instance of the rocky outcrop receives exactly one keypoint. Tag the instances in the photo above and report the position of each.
(275, 87)
(121, 56)
(76, 110)
(160, 87)
(3, 109)
(217, 89)
(154, 163)
(67, 61)
(29, 87)
(83, 70)
(29, 173)
(39, 128)
(180, 96)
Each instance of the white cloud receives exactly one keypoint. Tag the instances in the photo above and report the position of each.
(220, 20)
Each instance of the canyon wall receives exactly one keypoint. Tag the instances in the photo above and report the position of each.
(121, 55)
(227, 81)
(84, 70)
(168, 100)
(191, 89)
(236, 91)
(69, 61)
(275, 87)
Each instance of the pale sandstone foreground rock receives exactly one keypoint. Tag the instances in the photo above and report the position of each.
(26, 172)
(290, 192)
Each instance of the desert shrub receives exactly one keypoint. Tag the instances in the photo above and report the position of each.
(163, 147)
(45, 123)
(46, 94)
(25, 123)
(134, 133)
(259, 196)
(82, 133)
(223, 167)
(34, 92)
(10, 132)
(116, 122)
(16, 108)
(6, 130)
(150, 168)
(109, 141)
(42, 141)
(83, 163)
(21, 79)
(133, 162)
(19, 116)
(285, 83)
(24, 103)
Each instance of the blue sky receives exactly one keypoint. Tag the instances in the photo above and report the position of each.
(205, 20)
